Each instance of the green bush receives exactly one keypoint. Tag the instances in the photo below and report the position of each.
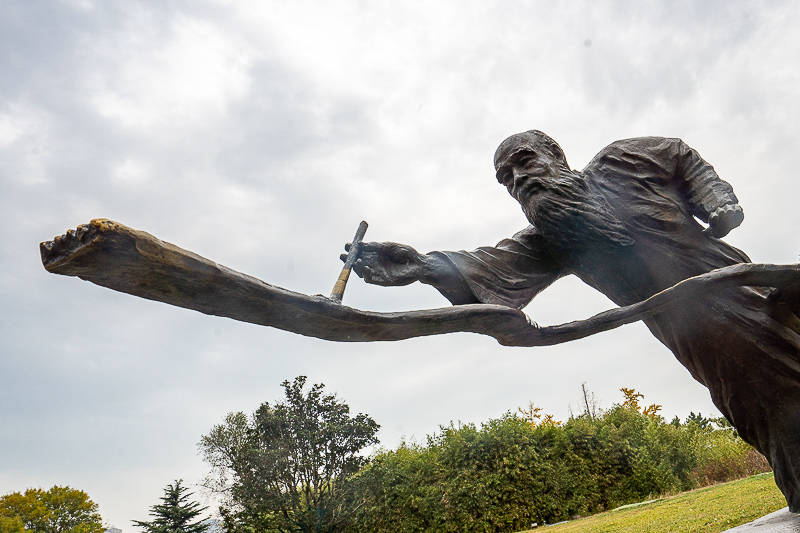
(723, 456)
(512, 471)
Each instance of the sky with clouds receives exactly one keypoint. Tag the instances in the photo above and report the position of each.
(259, 134)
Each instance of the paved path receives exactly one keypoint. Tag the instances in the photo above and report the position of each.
(778, 522)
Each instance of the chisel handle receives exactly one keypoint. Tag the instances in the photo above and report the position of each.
(352, 255)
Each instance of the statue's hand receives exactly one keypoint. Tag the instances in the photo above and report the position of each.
(387, 263)
(724, 219)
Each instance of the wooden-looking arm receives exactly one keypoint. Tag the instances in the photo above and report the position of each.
(134, 262)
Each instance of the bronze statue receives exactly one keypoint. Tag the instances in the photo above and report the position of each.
(625, 225)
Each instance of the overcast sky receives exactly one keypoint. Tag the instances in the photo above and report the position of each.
(260, 133)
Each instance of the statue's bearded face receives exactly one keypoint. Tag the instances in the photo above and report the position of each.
(528, 173)
(556, 200)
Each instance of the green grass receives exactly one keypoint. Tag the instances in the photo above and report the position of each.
(707, 510)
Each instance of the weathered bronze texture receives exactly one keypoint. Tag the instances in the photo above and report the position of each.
(626, 225)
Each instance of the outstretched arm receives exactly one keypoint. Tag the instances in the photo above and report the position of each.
(391, 264)
(510, 273)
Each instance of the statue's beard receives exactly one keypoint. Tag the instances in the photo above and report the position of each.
(569, 214)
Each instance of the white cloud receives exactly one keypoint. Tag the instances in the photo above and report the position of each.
(188, 77)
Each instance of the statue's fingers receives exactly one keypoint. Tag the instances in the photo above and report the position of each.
(733, 218)
(358, 268)
(724, 219)
(373, 276)
(343, 257)
(720, 231)
(365, 248)
(373, 247)
(347, 247)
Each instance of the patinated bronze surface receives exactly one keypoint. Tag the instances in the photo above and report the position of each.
(625, 225)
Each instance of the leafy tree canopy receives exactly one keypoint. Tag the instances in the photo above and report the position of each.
(11, 525)
(283, 469)
(58, 510)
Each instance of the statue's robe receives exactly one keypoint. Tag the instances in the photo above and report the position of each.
(743, 344)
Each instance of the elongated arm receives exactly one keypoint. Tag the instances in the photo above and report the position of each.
(392, 264)
(130, 261)
(510, 273)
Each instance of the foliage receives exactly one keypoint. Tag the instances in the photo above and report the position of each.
(11, 524)
(723, 456)
(533, 415)
(632, 402)
(284, 468)
(175, 514)
(518, 470)
(58, 510)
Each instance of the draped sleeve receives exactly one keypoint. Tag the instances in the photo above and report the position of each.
(671, 160)
(705, 190)
(510, 273)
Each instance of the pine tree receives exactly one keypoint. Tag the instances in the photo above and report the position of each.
(175, 515)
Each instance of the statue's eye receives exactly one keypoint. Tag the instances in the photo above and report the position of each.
(525, 158)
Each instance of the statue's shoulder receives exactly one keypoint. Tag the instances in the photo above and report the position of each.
(644, 143)
(637, 151)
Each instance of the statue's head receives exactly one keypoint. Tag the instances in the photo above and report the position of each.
(559, 202)
(533, 141)
(528, 164)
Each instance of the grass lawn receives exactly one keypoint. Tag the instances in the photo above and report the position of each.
(706, 510)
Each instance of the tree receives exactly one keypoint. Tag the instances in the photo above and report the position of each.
(11, 525)
(533, 415)
(58, 510)
(590, 405)
(175, 515)
(284, 468)
(632, 402)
